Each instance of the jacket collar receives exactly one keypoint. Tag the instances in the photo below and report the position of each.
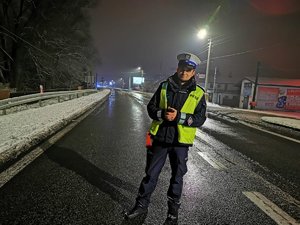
(176, 84)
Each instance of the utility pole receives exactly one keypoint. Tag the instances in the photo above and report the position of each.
(255, 85)
(207, 65)
(96, 80)
(129, 83)
(214, 87)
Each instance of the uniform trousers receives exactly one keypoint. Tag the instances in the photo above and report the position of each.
(156, 158)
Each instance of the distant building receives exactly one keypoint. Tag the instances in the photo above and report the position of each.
(224, 93)
(221, 90)
(271, 94)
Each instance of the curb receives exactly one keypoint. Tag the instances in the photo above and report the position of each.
(15, 152)
(288, 122)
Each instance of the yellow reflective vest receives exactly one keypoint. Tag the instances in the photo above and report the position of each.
(186, 134)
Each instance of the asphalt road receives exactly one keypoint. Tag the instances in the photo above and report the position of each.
(91, 174)
(277, 155)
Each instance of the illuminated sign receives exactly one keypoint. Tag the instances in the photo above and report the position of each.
(138, 80)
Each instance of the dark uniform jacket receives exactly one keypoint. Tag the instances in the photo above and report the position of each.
(176, 97)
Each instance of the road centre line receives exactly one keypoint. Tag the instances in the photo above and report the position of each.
(272, 210)
(212, 161)
(270, 132)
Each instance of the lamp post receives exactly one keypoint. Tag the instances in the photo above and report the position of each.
(207, 64)
(141, 70)
(142, 77)
(129, 83)
(202, 34)
(134, 72)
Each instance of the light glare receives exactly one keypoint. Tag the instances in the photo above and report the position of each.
(202, 33)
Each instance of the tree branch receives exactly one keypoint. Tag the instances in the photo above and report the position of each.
(6, 54)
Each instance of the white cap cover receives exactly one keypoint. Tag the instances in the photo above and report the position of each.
(188, 59)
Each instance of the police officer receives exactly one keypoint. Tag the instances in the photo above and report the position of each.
(177, 108)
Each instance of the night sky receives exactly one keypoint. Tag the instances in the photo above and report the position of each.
(132, 33)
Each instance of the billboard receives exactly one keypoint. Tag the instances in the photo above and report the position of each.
(278, 98)
(138, 80)
(293, 99)
(267, 97)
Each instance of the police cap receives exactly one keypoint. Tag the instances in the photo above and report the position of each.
(188, 59)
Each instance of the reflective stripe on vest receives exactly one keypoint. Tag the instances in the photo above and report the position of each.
(186, 134)
(162, 105)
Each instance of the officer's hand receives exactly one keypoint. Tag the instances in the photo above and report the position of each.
(170, 114)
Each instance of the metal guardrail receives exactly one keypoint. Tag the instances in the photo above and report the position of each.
(28, 99)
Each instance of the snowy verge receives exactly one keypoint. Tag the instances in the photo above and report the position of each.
(286, 122)
(20, 131)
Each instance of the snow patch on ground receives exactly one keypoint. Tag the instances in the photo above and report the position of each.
(18, 130)
(287, 122)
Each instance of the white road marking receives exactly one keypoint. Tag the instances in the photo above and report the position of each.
(212, 161)
(272, 210)
(270, 132)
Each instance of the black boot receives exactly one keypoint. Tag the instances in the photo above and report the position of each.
(137, 210)
(172, 218)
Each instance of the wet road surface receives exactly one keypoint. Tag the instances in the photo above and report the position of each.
(93, 173)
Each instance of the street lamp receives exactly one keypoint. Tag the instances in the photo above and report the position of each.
(141, 70)
(142, 78)
(134, 72)
(202, 34)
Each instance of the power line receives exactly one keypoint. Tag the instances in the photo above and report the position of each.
(221, 39)
(27, 43)
(220, 42)
(203, 45)
(239, 53)
(244, 52)
(203, 51)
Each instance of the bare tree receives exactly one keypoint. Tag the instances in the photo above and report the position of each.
(47, 43)
(13, 17)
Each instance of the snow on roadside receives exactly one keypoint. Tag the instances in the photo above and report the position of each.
(20, 128)
(287, 122)
(19, 108)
